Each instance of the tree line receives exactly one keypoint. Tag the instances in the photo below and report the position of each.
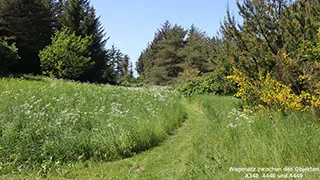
(173, 50)
(69, 36)
(279, 38)
(65, 39)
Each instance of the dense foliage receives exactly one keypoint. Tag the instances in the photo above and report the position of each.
(9, 56)
(30, 24)
(210, 83)
(67, 57)
(182, 57)
(172, 50)
(80, 17)
(276, 40)
(270, 60)
(276, 53)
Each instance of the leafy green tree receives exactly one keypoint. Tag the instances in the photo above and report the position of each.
(9, 56)
(80, 17)
(29, 24)
(68, 55)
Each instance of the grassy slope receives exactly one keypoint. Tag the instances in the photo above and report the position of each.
(169, 160)
(205, 148)
(47, 123)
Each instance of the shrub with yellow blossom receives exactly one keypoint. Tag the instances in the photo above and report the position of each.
(268, 94)
(295, 84)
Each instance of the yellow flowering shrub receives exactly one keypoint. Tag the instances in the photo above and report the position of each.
(268, 94)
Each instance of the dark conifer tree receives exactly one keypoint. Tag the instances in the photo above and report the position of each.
(114, 64)
(140, 62)
(126, 64)
(130, 69)
(161, 63)
(29, 24)
(196, 50)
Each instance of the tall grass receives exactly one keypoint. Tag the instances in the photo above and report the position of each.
(45, 123)
(239, 140)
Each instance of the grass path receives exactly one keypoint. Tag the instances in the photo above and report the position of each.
(169, 160)
(204, 147)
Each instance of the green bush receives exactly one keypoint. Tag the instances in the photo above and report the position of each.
(67, 57)
(130, 81)
(211, 83)
(8, 54)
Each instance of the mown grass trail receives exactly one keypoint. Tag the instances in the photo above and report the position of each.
(216, 136)
(169, 160)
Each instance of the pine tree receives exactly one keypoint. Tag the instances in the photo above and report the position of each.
(73, 15)
(140, 62)
(122, 66)
(57, 9)
(196, 50)
(126, 64)
(114, 65)
(147, 60)
(161, 63)
(130, 69)
(29, 24)
(258, 36)
(272, 30)
(168, 57)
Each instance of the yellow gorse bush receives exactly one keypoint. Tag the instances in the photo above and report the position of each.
(246, 89)
(268, 94)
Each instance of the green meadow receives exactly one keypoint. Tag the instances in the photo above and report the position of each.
(239, 99)
(59, 129)
(45, 123)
